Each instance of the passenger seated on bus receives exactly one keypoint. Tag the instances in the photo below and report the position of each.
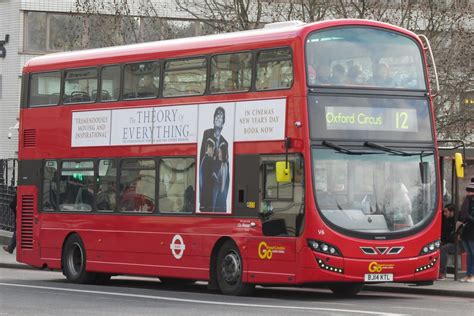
(106, 197)
(338, 74)
(354, 75)
(148, 88)
(84, 199)
(323, 74)
(189, 199)
(229, 85)
(382, 76)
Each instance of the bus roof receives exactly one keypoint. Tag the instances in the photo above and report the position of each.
(274, 35)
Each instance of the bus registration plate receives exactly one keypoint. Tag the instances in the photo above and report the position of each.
(378, 277)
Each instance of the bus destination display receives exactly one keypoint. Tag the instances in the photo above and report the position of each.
(370, 119)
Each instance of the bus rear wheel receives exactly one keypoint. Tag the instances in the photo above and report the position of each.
(74, 261)
(346, 289)
(230, 271)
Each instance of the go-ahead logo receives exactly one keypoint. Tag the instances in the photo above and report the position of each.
(177, 246)
(266, 252)
(376, 267)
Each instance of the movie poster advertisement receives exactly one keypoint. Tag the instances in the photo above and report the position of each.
(215, 145)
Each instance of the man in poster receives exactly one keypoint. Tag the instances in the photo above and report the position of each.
(214, 167)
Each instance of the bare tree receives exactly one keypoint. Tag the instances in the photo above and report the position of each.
(444, 23)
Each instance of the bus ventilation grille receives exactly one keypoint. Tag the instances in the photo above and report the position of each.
(27, 211)
(29, 138)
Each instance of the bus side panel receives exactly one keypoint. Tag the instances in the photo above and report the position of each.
(27, 226)
(142, 249)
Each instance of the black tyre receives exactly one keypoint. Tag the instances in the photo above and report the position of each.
(230, 270)
(74, 261)
(346, 289)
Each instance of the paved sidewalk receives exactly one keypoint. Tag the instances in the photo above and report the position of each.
(447, 287)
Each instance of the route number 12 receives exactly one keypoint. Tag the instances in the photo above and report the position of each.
(401, 120)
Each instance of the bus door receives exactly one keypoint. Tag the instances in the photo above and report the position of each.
(278, 211)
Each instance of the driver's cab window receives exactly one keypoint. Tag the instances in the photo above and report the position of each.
(281, 203)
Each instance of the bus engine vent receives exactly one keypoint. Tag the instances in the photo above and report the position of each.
(27, 211)
(29, 138)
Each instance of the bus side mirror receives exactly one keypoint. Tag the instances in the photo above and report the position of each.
(459, 165)
(283, 171)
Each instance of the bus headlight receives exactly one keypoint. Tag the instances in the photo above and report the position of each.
(431, 247)
(323, 247)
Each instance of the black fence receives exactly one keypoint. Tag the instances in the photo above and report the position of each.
(8, 181)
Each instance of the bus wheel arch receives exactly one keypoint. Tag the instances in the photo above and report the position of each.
(74, 260)
(228, 270)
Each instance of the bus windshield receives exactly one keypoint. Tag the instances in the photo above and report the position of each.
(374, 191)
(364, 57)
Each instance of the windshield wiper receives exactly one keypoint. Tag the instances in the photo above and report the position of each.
(388, 149)
(344, 150)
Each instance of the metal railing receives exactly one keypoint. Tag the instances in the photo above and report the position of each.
(8, 181)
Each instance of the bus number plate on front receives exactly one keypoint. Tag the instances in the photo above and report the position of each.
(378, 277)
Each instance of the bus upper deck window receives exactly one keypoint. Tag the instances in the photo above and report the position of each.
(110, 83)
(364, 57)
(231, 73)
(185, 77)
(80, 86)
(274, 69)
(141, 80)
(44, 89)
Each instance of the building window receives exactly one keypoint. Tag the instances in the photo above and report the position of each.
(51, 31)
(64, 32)
(35, 32)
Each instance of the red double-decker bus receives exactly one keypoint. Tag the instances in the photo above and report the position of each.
(297, 154)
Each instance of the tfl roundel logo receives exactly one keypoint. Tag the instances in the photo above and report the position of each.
(177, 246)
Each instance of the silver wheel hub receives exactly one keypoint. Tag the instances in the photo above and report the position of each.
(231, 268)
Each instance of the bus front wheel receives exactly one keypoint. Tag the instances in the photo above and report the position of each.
(346, 289)
(230, 270)
(74, 261)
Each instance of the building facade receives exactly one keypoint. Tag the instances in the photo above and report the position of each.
(37, 27)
